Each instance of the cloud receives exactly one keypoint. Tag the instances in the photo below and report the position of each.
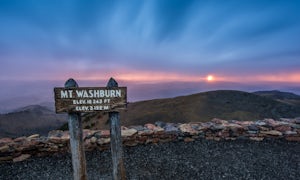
(42, 38)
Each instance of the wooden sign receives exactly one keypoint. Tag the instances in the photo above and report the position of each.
(90, 99)
(74, 99)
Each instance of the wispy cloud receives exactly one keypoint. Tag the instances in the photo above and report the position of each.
(45, 39)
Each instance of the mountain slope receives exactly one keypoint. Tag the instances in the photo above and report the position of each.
(224, 104)
(29, 120)
(196, 107)
(285, 97)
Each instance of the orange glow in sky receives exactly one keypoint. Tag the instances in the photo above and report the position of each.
(144, 76)
(159, 76)
(210, 78)
(291, 77)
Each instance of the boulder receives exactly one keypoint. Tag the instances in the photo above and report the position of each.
(272, 132)
(128, 132)
(290, 133)
(297, 120)
(282, 128)
(105, 133)
(253, 127)
(260, 123)
(187, 139)
(219, 121)
(93, 140)
(150, 126)
(34, 136)
(4, 148)
(20, 139)
(21, 158)
(160, 124)
(186, 128)
(5, 141)
(145, 132)
(171, 128)
(138, 128)
(217, 127)
(55, 133)
(103, 141)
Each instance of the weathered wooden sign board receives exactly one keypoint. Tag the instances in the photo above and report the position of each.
(90, 99)
(74, 100)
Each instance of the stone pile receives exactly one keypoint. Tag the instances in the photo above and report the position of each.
(22, 148)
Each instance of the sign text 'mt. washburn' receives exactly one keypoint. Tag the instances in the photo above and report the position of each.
(91, 93)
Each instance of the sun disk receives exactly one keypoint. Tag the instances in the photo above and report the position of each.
(209, 78)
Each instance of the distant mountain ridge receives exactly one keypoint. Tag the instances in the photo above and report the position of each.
(278, 94)
(285, 97)
(38, 108)
(30, 120)
(223, 104)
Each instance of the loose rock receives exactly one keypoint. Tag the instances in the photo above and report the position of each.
(273, 133)
(128, 132)
(21, 158)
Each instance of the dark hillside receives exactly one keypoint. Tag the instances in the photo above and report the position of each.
(285, 97)
(205, 106)
(224, 104)
(30, 120)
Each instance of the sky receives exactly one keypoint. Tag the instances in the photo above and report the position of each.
(246, 42)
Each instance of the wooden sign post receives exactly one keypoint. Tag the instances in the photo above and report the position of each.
(74, 100)
(116, 140)
(77, 149)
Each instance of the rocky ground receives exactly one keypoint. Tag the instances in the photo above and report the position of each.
(200, 159)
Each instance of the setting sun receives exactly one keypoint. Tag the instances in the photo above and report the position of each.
(210, 78)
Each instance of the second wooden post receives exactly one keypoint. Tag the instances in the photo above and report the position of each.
(116, 140)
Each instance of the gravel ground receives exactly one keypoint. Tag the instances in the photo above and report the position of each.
(201, 159)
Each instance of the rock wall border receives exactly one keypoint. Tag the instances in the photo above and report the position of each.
(22, 148)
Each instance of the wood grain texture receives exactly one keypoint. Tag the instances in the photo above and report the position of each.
(76, 141)
(116, 141)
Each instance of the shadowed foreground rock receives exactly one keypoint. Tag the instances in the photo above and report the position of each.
(200, 159)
